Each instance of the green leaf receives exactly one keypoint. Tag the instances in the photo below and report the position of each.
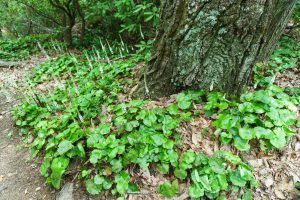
(94, 139)
(173, 109)
(92, 188)
(217, 165)
(116, 165)
(245, 172)
(287, 116)
(226, 121)
(205, 182)
(246, 107)
(169, 190)
(201, 158)
(95, 156)
(186, 116)
(223, 181)
(120, 120)
(133, 188)
(195, 191)
(236, 179)
(275, 117)
(247, 195)
(298, 123)
(64, 147)
(58, 167)
(189, 157)
(279, 140)
(98, 180)
(107, 184)
(122, 176)
(80, 150)
(241, 144)
(45, 165)
(184, 101)
(149, 119)
(246, 133)
(103, 129)
(228, 156)
(250, 119)
(297, 185)
(222, 197)
(261, 132)
(84, 173)
(180, 173)
(159, 139)
(163, 168)
(122, 180)
(128, 127)
(195, 176)
(225, 138)
(169, 144)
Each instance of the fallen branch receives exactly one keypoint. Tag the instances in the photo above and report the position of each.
(9, 63)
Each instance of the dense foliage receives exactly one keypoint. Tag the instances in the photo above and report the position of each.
(134, 20)
(79, 108)
(84, 119)
(89, 118)
(22, 48)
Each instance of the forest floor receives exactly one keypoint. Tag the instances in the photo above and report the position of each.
(20, 178)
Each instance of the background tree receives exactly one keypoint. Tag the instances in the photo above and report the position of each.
(133, 20)
(69, 9)
(212, 44)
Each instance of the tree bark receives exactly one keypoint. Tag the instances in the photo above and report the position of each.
(69, 12)
(212, 44)
(68, 35)
(30, 24)
(82, 17)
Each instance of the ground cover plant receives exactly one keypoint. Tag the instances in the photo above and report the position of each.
(83, 119)
(285, 56)
(114, 105)
(88, 118)
(22, 48)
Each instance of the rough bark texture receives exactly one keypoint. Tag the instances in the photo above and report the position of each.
(205, 44)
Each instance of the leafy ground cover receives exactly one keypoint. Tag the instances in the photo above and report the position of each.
(22, 48)
(285, 56)
(90, 117)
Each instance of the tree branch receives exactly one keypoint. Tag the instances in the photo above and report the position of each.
(41, 13)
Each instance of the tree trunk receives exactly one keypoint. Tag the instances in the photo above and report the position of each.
(82, 17)
(68, 38)
(64, 24)
(68, 32)
(212, 44)
(69, 12)
(30, 24)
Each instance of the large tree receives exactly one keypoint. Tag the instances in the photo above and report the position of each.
(212, 44)
(68, 10)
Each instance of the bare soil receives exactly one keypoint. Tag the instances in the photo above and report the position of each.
(19, 173)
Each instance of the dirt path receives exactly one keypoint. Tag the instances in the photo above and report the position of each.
(19, 176)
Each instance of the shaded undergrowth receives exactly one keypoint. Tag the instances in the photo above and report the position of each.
(88, 115)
